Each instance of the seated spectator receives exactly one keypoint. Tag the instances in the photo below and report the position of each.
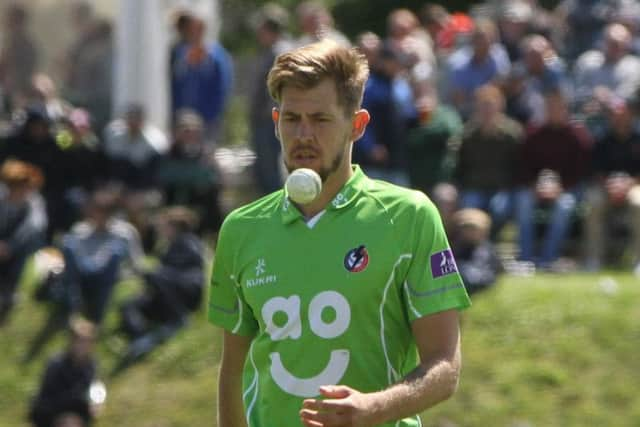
(487, 159)
(553, 167)
(429, 143)
(316, 23)
(44, 94)
(65, 385)
(407, 36)
(539, 71)
(132, 147)
(172, 290)
(187, 174)
(580, 24)
(382, 150)
(447, 30)
(33, 142)
(23, 224)
(514, 23)
(604, 74)
(84, 165)
(94, 251)
(476, 256)
(484, 61)
(613, 194)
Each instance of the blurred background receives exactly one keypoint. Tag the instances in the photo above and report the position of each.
(130, 129)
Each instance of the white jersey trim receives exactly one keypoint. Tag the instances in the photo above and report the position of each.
(411, 306)
(255, 383)
(392, 374)
(311, 222)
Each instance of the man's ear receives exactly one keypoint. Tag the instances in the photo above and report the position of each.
(275, 115)
(360, 120)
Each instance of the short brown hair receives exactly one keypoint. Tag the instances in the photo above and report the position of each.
(305, 67)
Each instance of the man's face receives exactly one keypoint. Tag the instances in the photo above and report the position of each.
(314, 130)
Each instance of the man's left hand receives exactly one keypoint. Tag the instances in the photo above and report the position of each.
(342, 406)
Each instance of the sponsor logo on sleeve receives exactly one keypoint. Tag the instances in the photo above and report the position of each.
(443, 263)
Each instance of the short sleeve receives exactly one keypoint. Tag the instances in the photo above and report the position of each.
(432, 283)
(227, 306)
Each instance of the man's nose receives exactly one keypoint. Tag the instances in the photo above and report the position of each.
(304, 130)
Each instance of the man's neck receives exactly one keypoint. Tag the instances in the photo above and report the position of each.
(330, 188)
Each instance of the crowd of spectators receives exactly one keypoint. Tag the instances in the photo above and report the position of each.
(509, 116)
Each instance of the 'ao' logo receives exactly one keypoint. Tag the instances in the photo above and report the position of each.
(292, 329)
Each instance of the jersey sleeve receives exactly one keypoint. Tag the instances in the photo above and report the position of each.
(227, 306)
(432, 283)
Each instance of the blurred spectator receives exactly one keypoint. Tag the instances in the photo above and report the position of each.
(447, 30)
(601, 75)
(614, 193)
(476, 256)
(487, 160)
(270, 25)
(187, 174)
(514, 18)
(132, 147)
(539, 71)
(405, 35)
(84, 165)
(64, 391)
(382, 149)
(429, 143)
(18, 55)
(316, 23)
(43, 94)
(173, 289)
(554, 165)
(180, 21)
(33, 142)
(580, 24)
(94, 251)
(202, 77)
(445, 197)
(89, 60)
(485, 61)
(23, 224)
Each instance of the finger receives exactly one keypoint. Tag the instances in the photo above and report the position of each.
(310, 423)
(324, 418)
(335, 391)
(327, 405)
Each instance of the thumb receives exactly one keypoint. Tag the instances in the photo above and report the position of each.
(335, 391)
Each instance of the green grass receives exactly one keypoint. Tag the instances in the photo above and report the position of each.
(537, 351)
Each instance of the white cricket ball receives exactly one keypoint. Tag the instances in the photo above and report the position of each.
(303, 185)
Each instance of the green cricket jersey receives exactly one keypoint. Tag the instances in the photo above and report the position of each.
(331, 303)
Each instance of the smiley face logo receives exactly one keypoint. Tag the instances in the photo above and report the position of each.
(292, 329)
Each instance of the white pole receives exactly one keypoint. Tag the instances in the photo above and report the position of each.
(141, 69)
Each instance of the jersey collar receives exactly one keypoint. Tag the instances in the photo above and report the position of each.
(345, 197)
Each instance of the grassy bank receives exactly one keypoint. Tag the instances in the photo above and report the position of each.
(538, 351)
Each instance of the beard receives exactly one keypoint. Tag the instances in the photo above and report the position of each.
(324, 172)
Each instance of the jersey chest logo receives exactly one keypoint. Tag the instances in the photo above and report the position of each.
(356, 259)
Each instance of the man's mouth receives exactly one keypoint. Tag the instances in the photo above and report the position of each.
(305, 155)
